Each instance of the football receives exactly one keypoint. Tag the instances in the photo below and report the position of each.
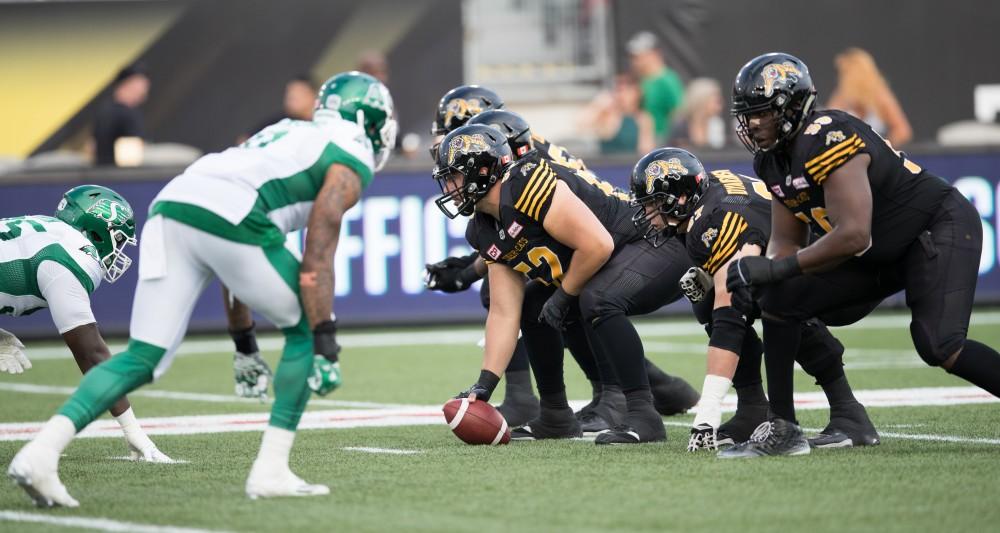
(477, 422)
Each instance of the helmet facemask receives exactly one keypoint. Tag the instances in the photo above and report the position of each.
(115, 262)
(462, 199)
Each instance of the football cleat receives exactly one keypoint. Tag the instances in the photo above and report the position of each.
(772, 438)
(702, 438)
(849, 426)
(738, 429)
(38, 476)
(671, 395)
(626, 434)
(550, 424)
(280, 484)
(592, 423)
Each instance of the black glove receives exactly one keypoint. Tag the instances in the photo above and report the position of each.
(756, 270)
(454, 274)
(556, 308)
(483, 388)
(325, 340)
(744, 301)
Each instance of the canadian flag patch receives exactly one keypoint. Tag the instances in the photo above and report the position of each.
(514, 229)
(493, 252)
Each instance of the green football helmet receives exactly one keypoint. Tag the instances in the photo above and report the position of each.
(358, 97)
(106, 220)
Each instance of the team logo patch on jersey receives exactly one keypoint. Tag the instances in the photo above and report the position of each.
(663, 169)
(834, 136)
(493, 252)
(527, 168)
(709, 236)
(110, 210)
(461, 109)
(91, 251)
(465, 144)
(514, 229)
(776, 189)
(779, 75)
(800, 183)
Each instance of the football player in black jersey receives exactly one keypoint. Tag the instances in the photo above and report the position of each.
(721, 216)
(546, 222)
(671, 395)
(885, 225)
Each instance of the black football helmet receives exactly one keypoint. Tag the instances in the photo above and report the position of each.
(480, 154)
(659, 180)
(460, 104)
(778, 82)
(511, 125)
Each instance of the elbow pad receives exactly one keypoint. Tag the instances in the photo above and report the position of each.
(728, 328)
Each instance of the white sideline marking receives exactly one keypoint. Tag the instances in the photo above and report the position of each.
(416, 415)
(471, 335)
(390, 451)
(100, 524)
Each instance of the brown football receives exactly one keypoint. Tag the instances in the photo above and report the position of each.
(477, 422)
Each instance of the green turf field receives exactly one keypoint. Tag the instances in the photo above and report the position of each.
(939, 471)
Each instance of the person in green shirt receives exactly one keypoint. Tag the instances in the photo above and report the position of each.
(662, 88)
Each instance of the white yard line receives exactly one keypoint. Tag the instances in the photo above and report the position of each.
(415, 415)
(470, 336)
(390, 451)
(100, 524)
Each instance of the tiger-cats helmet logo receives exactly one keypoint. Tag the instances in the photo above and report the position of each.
(461, 109)
(464, 144)
(111, 211)
(778, 75)
(662, 169)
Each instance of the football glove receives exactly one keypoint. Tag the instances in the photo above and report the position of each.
(695, 284)
(325, 375)
(252, 375)
(556, 308)
(483, 388)
(12, 358)
(702, 438)
(756, 270)
(453, 274)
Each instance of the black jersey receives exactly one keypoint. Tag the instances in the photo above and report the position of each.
(904, 196)
(519, 240)
(733, 212)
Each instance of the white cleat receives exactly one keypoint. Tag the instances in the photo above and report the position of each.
(38, 476)
(151, 454)
(281, 484)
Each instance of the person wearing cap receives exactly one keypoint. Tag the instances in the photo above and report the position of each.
(119, 119)
(662, 89)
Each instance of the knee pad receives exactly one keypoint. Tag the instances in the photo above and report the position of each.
(931, 348)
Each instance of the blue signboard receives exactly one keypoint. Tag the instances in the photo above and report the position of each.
(396, 228)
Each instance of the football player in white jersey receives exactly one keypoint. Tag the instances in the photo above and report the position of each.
(57, 263)
(227, 216)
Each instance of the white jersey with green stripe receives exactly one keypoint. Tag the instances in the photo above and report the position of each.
(26, 243)
(259, 191)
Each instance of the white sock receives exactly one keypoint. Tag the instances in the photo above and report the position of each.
(710, 405)
(133, 431)
(275, 447)
(56, 434)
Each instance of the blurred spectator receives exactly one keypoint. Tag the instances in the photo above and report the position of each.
(619, 121)
(862, 91)
(118, 127)
(374, 63)
(662, 89)
(300, 98)
(699, 123)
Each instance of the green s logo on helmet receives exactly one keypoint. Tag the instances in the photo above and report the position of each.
(106, 220)
(362, 99)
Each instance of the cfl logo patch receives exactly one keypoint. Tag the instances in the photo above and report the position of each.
(493, 252)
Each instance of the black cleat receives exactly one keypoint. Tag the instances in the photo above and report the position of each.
(773, 438)
(643, 425)
(518, 409)
(849, 426)
(592, 423)
(738, 429)
(671, 395)
(550, 424)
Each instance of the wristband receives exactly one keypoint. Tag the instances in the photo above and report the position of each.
(245, 339)
(786, 267)
(325, 340)
(488, 380)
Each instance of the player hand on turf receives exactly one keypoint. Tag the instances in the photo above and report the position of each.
(756, 270)
(325, 375)
(252, 375)
(557, 307)
(12, 358)
(453, 274)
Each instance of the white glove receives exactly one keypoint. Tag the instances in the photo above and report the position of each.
(695, 284)
(252, 375)
(12, 358)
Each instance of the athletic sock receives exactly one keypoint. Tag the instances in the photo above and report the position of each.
(275, 447)
(575, 338)
(55, 435)
(517, 383)
(980, 365)
(519, 361)
(748, 370)
(617, 341)
(553, 401)
(133, 431)
(781, 344)
(709, 409)
(838, 392)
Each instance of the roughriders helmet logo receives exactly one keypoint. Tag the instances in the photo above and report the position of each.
(461, 109)
(378, 97)
(778, 75)
(113, 212)
(464, 144)
(662, 169)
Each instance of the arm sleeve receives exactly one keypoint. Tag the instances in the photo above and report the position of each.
(68, 300)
